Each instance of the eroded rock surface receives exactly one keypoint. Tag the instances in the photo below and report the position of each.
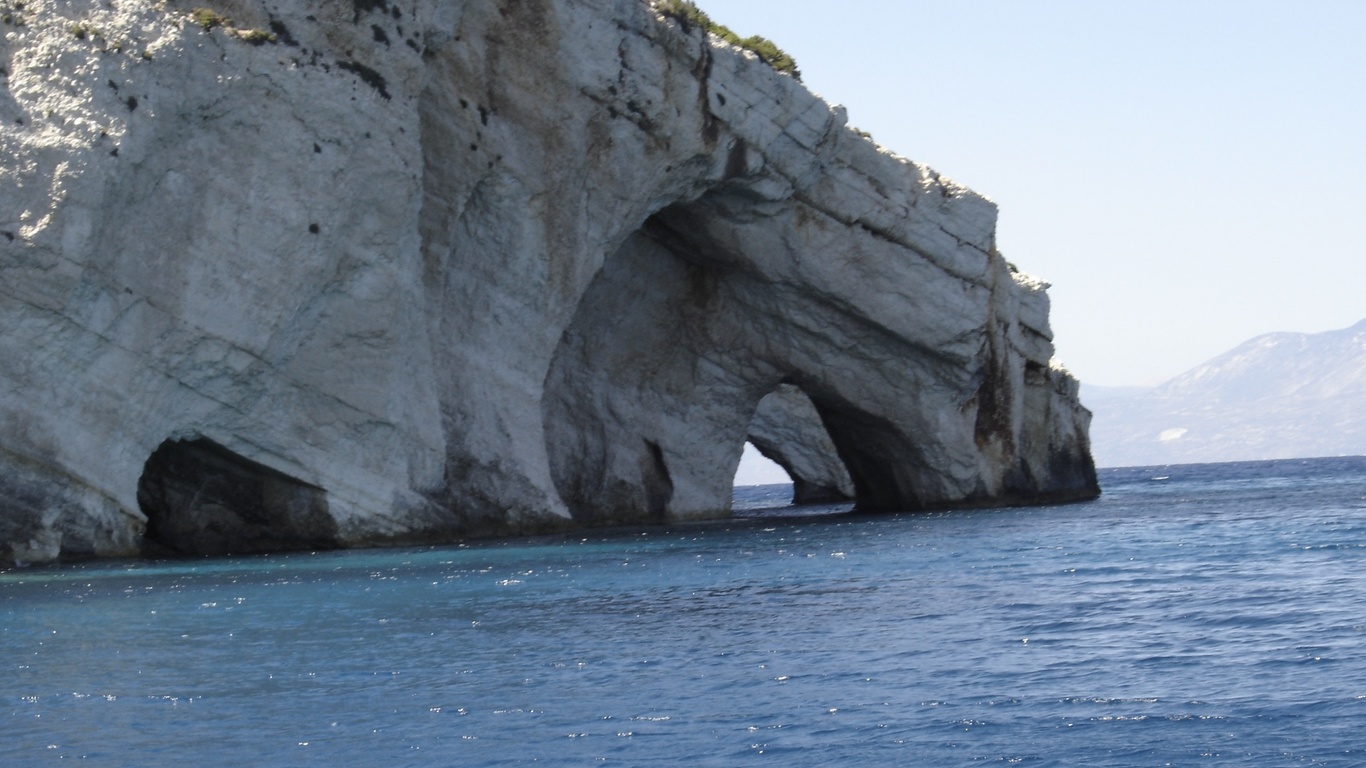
(477, 267)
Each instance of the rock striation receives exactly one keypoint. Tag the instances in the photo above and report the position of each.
(293, 273)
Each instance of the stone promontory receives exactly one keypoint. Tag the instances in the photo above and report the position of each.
(282, 274)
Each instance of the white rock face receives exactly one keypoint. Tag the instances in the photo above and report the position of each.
(445, 268)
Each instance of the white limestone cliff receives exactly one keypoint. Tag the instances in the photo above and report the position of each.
(417, 270)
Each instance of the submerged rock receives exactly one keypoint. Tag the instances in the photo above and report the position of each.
(444, 268)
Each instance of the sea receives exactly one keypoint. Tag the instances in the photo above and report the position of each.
(1194, 615)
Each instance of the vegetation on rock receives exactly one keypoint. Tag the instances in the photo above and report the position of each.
(209, 18)
(83, 31)
(257, 36)
(689, 15)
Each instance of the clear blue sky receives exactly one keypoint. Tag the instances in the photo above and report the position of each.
(1187, 174)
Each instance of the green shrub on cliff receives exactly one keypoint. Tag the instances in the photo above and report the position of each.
(83, 31)
(689, 15)
(208, 18)
(257, 36)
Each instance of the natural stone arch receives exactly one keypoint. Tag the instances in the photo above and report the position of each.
(787, 429)
(628, 433)
(799, 302)
(676, 341)
(201, 498)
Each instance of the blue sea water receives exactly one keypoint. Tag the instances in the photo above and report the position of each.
(1204, 615)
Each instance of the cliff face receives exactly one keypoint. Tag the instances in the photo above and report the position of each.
(387, 272)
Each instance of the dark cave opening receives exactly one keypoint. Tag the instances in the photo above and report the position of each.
(203, 499)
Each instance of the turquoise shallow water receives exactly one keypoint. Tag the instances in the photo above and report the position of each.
(1202, 615)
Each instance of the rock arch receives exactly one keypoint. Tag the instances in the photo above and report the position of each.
(685, 329)
(627, 434)
(787, 430)
(714, 302)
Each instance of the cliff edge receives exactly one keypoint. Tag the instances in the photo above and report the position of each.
(297, 274)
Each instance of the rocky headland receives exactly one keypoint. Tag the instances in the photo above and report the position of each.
(281, 274)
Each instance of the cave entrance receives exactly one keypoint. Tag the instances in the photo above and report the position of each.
(787, 429)
(203, 499)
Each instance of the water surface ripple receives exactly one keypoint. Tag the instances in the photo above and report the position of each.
(1202, 615)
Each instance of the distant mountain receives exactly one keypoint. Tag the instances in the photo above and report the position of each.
(1282, 395)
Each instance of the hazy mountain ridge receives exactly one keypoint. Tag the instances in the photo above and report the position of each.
(1279, 395)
